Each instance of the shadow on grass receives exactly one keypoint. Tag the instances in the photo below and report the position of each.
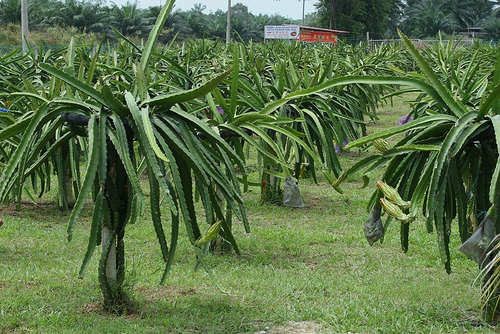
(176, 309)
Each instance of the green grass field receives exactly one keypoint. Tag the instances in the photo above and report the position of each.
(301, 270)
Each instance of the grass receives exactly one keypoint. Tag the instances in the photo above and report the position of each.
(10, 37)
(309, 265)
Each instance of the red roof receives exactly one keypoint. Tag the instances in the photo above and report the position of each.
(320, 29)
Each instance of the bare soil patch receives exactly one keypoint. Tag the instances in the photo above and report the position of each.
(294, 327)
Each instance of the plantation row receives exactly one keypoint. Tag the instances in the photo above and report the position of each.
(183, 114)
(287, 87)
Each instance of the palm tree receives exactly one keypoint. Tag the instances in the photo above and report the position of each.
(176, 26)
(130, 20)
(216, 25)
(468, 14)
(85, 15)
(196, 20)
(10, 12)
(427, 18)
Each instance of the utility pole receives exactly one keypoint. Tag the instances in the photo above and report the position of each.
(24, 25)
(228, 29)
(303, 10)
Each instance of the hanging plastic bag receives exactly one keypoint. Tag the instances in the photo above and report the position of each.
(374, 229)
(291, 193)
(478, 245)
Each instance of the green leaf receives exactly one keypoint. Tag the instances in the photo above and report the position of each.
(21, 151)
(58, 143)
(84, 88)
(213, 137)
(173, 238)
(419, 123)
(74, 104)
(113, 103)
(348, 80)
(234, 85)
(423, 184)
(102, 171)
(149, 154)
(201, 257)
(97, 217)
(443, 156)
(28, 94)
(119, 138)
(447, 97)
(362, 164)
(165, 102)
(411, 148)
(495, 186)
(491, 103)
(265, 152)
(156, 214)
(93, 164)
(148, 130)
(496, 81)
(303, 145)
(155, 32)
(251, 117)
(18, 127)
(181, 176)
(140, 87)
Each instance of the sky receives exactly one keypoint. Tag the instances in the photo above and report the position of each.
(287, 8)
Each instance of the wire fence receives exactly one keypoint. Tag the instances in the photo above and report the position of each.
(371, 44)
(423, 43)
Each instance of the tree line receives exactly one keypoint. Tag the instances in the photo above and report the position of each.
(94, 16)
(417, 18)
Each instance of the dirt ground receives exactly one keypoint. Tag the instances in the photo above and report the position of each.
(293, 327)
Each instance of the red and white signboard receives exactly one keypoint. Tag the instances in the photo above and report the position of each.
(281, 32)
(318, 36)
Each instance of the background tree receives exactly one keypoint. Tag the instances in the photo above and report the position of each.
(44, 14)
(418, 19)
(216, 24)
(130, 20)
(196, 20)
(428, 17)
(491, 24)
(10, 12)
(355, 16)
(395, 17)
(174, 26)
(85, 15)
(240, 21)
(94, 16)
(468, 14)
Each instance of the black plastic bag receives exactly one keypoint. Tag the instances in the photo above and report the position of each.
(479, 244)
(374, 229)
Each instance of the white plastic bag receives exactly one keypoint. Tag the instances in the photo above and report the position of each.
(291, 193)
